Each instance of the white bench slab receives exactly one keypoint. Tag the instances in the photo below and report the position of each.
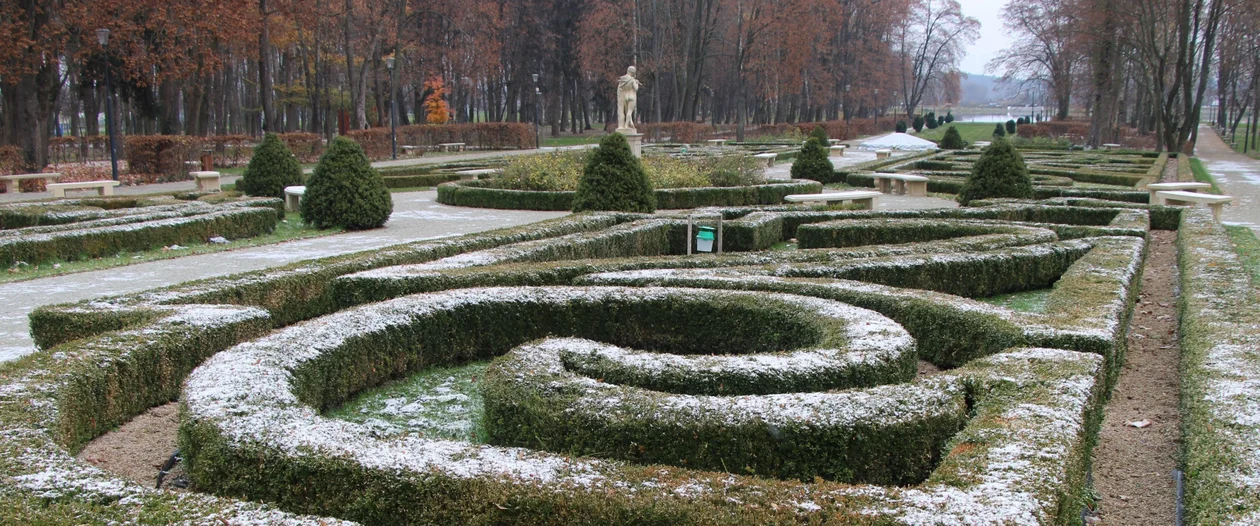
(1189, 187)
(883, 154)
(981, 144)
(410, 149)
(293, 197)
(451, 146)
(1111, 146)
(465, 175)
(207, 181)
(833, 142)
(1183, 198)
(11, 181)
(101, 187)
(717, 142)
(865, 198)
(837, 150)
(901, 184)
(768, 158)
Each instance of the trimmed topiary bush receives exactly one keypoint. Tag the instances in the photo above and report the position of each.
(345, 190)
(918, 123)
(272, 168)
(813, 163)
(901, 127)
(949, 117)
(613, 179)
(1010, 127)
(820, 133)
(952, 140)
(998, 130)
(940, 121)
(999, 172)
(931, 121)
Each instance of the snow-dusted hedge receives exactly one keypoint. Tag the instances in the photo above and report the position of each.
(252, 428)
(480, 194)
(108, 232)
(1220, 383)
(857, 232)
(1019, 458)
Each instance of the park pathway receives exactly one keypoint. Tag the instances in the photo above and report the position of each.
(1236, 174)
(416, 217)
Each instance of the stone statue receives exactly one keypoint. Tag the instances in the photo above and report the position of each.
(627, 89)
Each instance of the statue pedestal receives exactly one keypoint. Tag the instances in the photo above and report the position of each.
(635, 139)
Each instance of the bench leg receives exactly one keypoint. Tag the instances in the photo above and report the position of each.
(106, 190)
(916, 189)
(899, 187)
(59, 192)
(865, 204)
(1216, 211)
(1155, 200)
(11, 187)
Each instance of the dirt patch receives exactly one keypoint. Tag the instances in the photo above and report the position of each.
(137, 449)
(927, 369)
(1140, 437)
(1170, 171)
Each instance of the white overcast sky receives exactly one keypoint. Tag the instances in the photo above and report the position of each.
(993, 37)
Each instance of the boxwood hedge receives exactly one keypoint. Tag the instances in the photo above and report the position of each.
(482, 194)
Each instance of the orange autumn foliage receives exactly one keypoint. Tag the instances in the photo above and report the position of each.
(435, 109)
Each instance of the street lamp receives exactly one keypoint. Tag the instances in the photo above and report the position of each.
(102, 36)
(393, 109)
(876, 110)
(847, 114)
(537, 113)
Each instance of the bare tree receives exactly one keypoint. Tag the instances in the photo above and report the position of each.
(1045, 51)
(930, 43)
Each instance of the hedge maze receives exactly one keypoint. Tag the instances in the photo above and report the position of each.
(92, 228)
(855, 380)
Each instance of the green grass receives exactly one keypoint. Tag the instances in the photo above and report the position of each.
(1201, 175)
(784, 245)
(289, 229)
(970, 131)
(1239, 137)
(1248, 248)
(441, 402)
(1026, 301)
(573, 140)
(411, 189)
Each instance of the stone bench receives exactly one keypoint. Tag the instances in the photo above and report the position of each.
(717, 142)
(833, 142)
(768, 158)
(866, 198)
(102, 187)
(1189, 187)
(451, 146)
(1182, 198)
(901, 184)
(883, 154)
(207, 181)
(982, 144)
(837, 150)
(11, 181)
(293, 198)
(411, 149)
(465, 175)
(1111, 146)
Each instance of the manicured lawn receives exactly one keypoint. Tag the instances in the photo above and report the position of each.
(289, 229)
(1201, 175)
(1248, 248)
(438, 402)
(1238, 137)
(970, 131)
(591, 137)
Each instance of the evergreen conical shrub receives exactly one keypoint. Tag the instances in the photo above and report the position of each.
(272, 168)
(901, 127)
(929, 120)
(812, 163)
(949, 117)
(613, 179)
(999, 131)
(918, 123)
(820, 133)
(1010, 127)
(345, 190)
(952, 140)
(999, 172)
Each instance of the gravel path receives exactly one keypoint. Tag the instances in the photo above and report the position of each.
(1236, 174)
(416, 216)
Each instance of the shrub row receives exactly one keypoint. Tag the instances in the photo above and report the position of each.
(418, 180)
(94, 242)
(480, 194)
(1220, 376)
(482, 135)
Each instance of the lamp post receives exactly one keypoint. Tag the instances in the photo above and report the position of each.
(393, 109)
(537, 113)
(847, 113)
(102, 37)
(876, 110)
